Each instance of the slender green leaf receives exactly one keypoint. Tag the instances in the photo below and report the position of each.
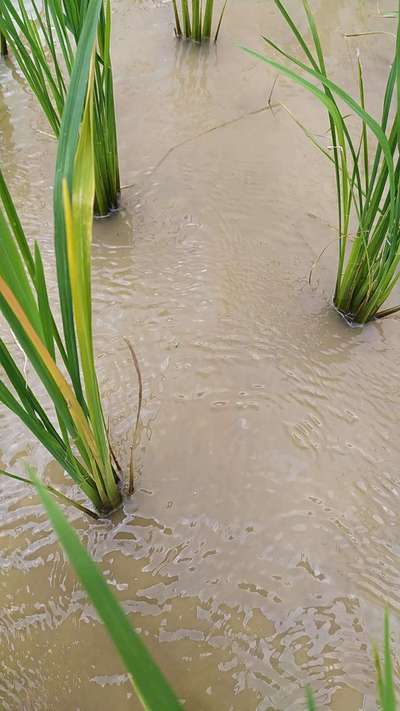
(150, 685)
(311, 705)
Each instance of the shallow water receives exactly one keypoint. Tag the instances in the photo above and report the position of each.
(261, 545)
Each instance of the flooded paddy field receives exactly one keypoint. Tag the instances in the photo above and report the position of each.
(262, 542)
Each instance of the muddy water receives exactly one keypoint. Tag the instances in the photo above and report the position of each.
(261, 544)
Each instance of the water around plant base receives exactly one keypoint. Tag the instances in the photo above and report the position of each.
(262, 541)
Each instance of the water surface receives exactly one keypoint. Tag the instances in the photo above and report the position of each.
(261, 545)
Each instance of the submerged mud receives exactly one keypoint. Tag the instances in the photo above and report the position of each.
(261, 544)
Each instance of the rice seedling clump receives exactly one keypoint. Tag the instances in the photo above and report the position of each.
(197, 23)
(367, 173)
(44, 44)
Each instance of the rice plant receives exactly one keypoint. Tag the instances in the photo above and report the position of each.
(76, 437)
(151, 687)
(385, 683)
(197, 23)
(44, 45)
(384, 676)
(310, 699)
(367, 174)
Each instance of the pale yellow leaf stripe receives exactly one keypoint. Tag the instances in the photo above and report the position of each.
(67, 392)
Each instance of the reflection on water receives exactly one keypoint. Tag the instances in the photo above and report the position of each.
(193, 65)
(261, 544)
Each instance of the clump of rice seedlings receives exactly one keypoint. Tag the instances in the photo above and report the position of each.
(367, 174)
(151, 687)
(44, 44)
(384, 676)
(197, 23)
(76, 435)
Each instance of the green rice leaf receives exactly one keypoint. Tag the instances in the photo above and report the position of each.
(389, 697)
(78, 217)
(68, 141)
(311, 705)
(150, 685)
(58, 494)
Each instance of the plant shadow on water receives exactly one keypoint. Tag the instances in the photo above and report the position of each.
(193, 63)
